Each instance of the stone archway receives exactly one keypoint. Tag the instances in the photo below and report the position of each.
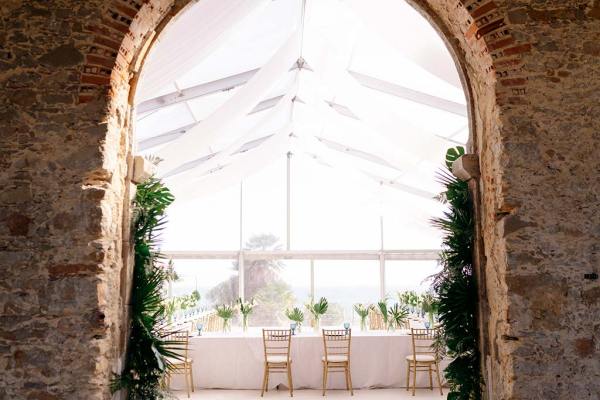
(531, 71)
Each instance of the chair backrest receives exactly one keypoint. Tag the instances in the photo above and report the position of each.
(276, 342)
(178, 341)
(336, 342)
(423, 340)
(210, 322)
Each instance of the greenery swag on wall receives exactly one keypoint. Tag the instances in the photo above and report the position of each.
(148, 348)
(455, 285)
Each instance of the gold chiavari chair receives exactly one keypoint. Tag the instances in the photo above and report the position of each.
(337, 355)
(277, 356)
(182, 366)
(424, 358)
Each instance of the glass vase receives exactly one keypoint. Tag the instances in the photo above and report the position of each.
(226, 325)
(245, 323)
(317, 324)
(363, 324)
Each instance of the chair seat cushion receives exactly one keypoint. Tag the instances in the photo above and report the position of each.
(421, 358)
(276, 359)
(336, 358)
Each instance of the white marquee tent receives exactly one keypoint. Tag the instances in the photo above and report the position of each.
(364, 88)
(320, 118)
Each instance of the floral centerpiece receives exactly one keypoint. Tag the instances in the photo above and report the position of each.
(225, 312)
(363, 312)
(246, 308)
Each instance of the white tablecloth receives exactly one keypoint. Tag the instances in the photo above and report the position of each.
(235, 361)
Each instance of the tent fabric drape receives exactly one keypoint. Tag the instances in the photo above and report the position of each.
(196, 141)
(191, 38)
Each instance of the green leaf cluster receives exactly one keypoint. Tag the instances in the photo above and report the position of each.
(398, 315)
(319, 308)
(148, 348)
(225, 311)
(295, 314)
(245, 307)
(455, 286)
(383, 310)
(363, 310)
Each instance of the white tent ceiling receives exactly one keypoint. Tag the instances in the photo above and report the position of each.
(234, 84)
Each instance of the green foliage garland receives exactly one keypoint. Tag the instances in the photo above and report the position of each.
(456, 289)
(148, 348)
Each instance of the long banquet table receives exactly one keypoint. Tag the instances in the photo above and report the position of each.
(235, 361)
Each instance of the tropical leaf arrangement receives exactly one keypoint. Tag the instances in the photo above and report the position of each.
(455, 286)
(383, 310)
(295, 314)
(317, 310)
(398, 315)
(148, 349)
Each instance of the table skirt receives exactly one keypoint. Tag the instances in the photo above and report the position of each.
(235, 361)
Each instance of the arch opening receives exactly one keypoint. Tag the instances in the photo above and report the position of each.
(216, 103)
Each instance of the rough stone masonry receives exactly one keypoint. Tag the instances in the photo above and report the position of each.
(68, 68)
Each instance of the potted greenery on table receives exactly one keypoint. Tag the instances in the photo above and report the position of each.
(363, 312)
(246, 308)
(225, 312)
(296, 315)
(317, 310)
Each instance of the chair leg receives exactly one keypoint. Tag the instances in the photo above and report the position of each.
(407, 375)
(324, 377)
(350, 381)
(191, 378)
(430, 377)
(264, 382)
(291, 385)
(346, 377)
(414, 388)
(187, 380)
(267, 381)
(437, 372)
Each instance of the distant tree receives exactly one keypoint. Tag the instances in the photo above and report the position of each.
(262, 281)
(272, 301)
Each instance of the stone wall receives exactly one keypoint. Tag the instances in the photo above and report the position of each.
(531, 70)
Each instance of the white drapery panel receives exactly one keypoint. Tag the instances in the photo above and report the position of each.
(196, 141)
(227, 154)
(242, 165)
(190, 38)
